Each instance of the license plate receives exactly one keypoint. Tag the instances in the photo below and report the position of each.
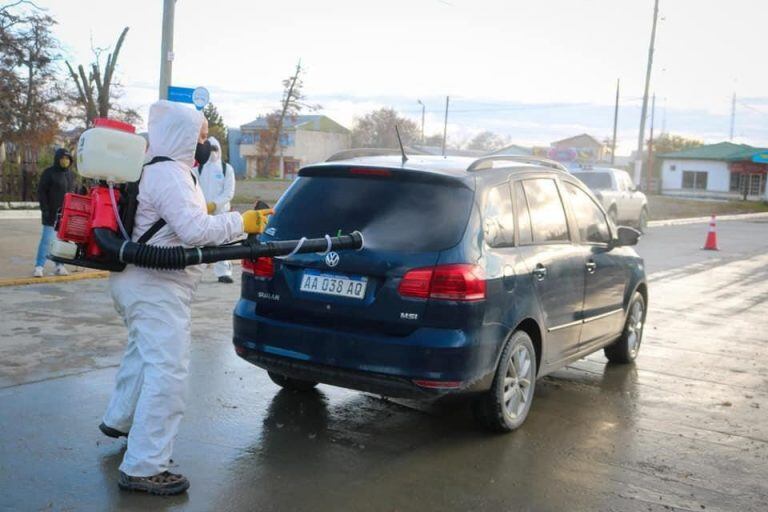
(333, 284)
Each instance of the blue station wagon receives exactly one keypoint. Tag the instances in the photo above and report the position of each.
(476, 277)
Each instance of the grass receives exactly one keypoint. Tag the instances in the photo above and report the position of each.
(667, 207)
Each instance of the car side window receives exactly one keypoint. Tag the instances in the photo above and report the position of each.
(627, 181)
(498, 217)
(593, 226)
(524, 230)
(621, 186)
(546, 208)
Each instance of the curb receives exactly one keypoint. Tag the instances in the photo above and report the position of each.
(80, 276)
(20, 214)
(704, 220)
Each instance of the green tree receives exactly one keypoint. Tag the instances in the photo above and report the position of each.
(377, 130)
(97, 92)
(217, 128)
(666, 143)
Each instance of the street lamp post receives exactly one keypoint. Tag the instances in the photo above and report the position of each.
(644, 110)
(423, 109)
(166, 48)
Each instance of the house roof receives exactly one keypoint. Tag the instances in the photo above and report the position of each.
(569, 139)
(514, 150)
(438, 151)
(316, 123)
(725, 151)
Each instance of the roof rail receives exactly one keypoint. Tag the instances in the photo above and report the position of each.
(486, 162)
(363, 152)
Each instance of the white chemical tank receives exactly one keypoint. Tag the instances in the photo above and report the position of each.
(111, 151)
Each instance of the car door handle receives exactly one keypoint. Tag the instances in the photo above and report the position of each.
(591, 267)
(540, 272)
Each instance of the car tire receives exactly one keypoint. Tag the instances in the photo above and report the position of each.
(291, 383)
(642, 221)
(505, 406)
(624, 350)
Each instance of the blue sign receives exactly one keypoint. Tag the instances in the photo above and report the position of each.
(180, 94)
(199, 97)
(761, 158)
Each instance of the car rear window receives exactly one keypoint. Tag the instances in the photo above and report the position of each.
(393, 214)
(595, 180)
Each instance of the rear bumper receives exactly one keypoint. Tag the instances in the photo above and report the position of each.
(380, 364)
(362, 381)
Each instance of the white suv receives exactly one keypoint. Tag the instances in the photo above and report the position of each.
(620, 197)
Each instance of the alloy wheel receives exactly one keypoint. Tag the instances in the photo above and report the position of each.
(635, 328)
(517, 381)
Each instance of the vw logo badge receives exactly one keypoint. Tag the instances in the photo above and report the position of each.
(332, 259)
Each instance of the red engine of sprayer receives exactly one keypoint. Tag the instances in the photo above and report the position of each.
(80, 215)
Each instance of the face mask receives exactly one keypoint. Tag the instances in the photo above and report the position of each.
(203, 152)
(65, 162)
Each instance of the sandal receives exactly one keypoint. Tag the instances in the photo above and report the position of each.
(111, 432)
(162, 484)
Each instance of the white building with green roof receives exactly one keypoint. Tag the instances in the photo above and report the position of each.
(719, 171)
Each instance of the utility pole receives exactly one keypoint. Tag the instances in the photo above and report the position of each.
(166, 47)
(615, 122)
(445, 125)
(733, 115)
(423, 109)
(649, 172)
(644, 112)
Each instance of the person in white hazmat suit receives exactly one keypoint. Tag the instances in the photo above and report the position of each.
(217, 179)
(149, 397)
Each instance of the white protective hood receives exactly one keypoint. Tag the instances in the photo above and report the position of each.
(215, 155)
(173, 131)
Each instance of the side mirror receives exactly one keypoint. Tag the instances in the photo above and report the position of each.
(626, 236)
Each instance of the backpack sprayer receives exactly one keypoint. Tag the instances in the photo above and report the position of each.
(94, 230)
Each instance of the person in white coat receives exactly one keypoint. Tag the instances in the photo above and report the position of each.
(149, 397)
(217, 179)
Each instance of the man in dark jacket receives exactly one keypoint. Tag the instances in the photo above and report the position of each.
(55, 181)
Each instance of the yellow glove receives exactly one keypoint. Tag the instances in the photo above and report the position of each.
(211, 208)
(254, 221)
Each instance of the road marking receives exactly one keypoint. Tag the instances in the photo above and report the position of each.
(701, 220)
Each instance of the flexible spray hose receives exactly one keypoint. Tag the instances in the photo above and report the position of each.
(117, 214)
(176, 258)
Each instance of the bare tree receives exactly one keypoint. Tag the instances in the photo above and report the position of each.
(293, 103)
(96, 90)
(377, 130)
(29, 93)
(485, 141)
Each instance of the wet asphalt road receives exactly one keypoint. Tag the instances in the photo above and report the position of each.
(685, 428)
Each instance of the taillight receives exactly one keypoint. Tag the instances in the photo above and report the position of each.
(367, 171)
(261, 267)
(415, 283)
(459, 282)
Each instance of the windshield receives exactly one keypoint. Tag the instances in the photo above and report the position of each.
(595, 180)
(392, 214)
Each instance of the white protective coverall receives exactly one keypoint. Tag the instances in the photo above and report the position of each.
(218, 188)
(149, 396)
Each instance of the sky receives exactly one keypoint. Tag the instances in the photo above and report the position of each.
(532, 71)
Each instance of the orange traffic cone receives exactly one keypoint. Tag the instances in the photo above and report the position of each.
(711, 243)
